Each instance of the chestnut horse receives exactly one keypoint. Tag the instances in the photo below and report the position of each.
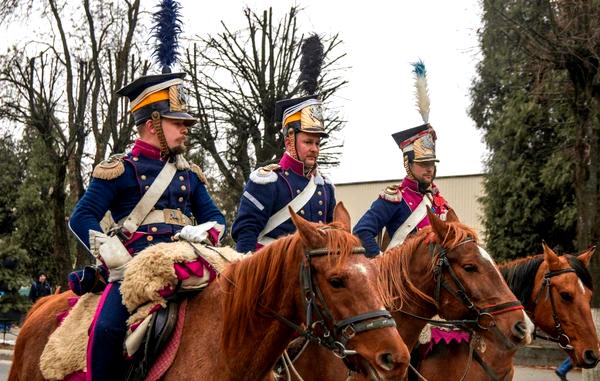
(240, 324)
(439, 270)
(556, 292)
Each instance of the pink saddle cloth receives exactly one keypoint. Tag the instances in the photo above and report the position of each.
(444, 337)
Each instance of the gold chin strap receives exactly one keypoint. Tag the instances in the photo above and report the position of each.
(409, 173)
(156, 123)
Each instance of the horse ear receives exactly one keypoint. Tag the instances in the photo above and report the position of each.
(341, 216)
(551, 258)
(586, 256)
(311, 236)
(439, 227)
(451, 216)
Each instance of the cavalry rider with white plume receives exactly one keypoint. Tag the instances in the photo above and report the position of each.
(402, 208)
(153, 193)
(263, 212)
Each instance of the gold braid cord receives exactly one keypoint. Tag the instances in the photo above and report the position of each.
(156, 123)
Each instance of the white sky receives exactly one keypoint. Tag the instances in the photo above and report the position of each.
(381, 39)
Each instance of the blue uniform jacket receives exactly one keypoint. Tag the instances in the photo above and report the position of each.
(270, 189)
(121, 194)
(394, 205)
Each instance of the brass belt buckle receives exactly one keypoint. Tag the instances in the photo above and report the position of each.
(174, 217)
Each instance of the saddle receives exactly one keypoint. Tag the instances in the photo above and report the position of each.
(159, 332)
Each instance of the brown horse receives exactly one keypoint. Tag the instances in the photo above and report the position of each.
(556, 291)
(440, 270)
(239, 325)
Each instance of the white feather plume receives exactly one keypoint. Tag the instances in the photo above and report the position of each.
(422, 93)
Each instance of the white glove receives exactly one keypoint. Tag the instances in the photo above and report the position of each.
(196, 234)
(109, 250)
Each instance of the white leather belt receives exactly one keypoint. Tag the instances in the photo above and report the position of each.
(165, 216)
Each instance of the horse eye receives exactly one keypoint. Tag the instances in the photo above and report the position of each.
(336, 282)
(470, 268)
(566, 296)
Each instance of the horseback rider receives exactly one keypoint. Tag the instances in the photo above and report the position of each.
(152, 192)
(263, 211)
(402, 208)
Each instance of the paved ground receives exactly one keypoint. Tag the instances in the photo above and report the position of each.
(537, 374)
(4, 367)
(521, 373)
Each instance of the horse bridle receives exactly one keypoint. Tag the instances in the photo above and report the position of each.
(562, 339)
(459, 292)
(321, 326)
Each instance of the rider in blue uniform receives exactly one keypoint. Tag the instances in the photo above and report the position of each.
(120, 182)
(263, 212)
(401, 208)
(273, 187)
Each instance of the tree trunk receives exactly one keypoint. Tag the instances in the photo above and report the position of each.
(61, 251)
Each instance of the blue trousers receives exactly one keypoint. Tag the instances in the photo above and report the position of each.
(565, 366)
(105, 360)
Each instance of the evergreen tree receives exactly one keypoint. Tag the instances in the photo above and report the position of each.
(521, 108)
(13, 259)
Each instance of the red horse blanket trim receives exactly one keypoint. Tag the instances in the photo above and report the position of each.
(164, 361)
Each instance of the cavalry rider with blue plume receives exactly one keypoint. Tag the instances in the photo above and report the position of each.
(153, 193)
(402, 208)
(263, 213)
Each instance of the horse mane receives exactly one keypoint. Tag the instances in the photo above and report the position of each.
(396, 287)
(519, 274)
(258, 281)
(581, 270)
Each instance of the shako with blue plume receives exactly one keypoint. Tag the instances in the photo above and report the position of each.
(304, 114)
(156, 96)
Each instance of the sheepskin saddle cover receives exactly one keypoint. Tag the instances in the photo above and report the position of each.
(151, 274)
(66, 349)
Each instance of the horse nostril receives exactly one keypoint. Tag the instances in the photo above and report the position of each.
(519, 330)
(386, 361)
(589, 357)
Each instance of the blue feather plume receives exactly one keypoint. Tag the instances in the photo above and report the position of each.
(419, 69)
(166, 30)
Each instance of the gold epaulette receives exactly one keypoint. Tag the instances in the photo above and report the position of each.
(392, 193)
(198, 171)
(110, 168)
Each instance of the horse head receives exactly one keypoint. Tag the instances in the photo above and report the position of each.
(562, 294)
(442, 269)
(340, 289)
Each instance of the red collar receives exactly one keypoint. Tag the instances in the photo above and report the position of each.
(287, 162)
(142, 148)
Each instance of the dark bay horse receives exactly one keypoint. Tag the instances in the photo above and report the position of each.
(240, 324)
(556, 291)
(439, 270)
